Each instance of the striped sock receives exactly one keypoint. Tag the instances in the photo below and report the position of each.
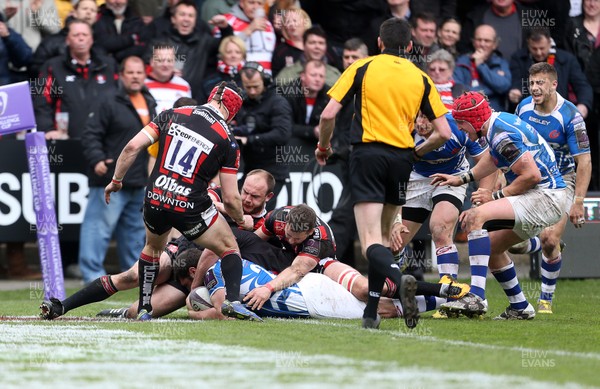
(479, 256)
(550, 272)
(447, 261)
(425, 303)
(534, 245)
(531, 246)
(429, 303)
(507, 277)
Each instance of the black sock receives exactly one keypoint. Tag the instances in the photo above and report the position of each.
(376, 281)
(147, 272)
(381, 265)
(425, 289)
(97, 290)
(231, 268)
(382, 259)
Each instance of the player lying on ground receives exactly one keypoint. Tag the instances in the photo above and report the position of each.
(174, 277)
(314, 296)
(310, 240)
(275, 260)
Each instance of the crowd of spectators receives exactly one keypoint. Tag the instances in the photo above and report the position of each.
(76, 46)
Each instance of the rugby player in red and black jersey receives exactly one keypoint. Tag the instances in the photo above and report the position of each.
(257, 190)
(194, 145)
(310, 241)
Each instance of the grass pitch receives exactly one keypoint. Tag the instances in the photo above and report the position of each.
(562, 349)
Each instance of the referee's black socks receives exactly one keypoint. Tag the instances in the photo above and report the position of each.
(381, 265)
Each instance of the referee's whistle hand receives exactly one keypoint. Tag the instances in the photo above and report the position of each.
(322, 156)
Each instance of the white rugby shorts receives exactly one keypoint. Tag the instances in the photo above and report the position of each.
(420, 192)
(537, 209)
(326, 299)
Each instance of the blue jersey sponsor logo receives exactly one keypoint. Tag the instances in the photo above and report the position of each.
(563, 129)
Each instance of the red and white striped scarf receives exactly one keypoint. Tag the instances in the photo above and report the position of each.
(445, 91)
(229, 69)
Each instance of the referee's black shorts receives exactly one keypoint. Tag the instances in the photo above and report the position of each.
(379, 173)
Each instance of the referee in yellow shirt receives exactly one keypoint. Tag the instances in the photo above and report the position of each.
(387, 91)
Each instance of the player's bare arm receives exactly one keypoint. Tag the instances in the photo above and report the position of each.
(232, 201)
(140, 142)
(326, 126)
(301, 265)
(582, 181)
(441, 133)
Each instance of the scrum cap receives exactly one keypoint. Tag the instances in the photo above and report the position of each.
(229, 95)
(473, 108)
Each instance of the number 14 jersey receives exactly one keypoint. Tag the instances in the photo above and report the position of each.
(194, 146)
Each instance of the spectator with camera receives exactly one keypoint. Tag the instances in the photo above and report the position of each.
(263, 126)
(32, 19)
(250, 23)
(290, 47)
(13, 50)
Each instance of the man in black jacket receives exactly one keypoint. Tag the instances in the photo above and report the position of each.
(194, 47)
(54, 45)
(111, 124)
(119, 31)
(70, 84)
(263, 126)
(308, 100)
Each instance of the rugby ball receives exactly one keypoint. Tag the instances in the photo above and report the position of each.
(200, 299)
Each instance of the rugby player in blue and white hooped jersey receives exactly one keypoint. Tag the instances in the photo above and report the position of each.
(443, 203)
(315, 295)
(563, 127)
(533, 199)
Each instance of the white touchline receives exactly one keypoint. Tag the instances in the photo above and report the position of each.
(85, 355)
(428, 338)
